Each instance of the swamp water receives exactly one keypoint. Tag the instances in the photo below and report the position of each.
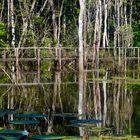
(111, 91)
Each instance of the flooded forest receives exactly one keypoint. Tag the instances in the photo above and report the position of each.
(72, 56)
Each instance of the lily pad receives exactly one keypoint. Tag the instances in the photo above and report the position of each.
(24, 122)
(9, 111)
(65, 115)
(87, 121)
(32, 115)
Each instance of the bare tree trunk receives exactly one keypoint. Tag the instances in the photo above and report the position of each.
(105, 98)
(1, 11)
(57, 74)
(55, 28)
(105, 39)
(130, 113)
(59, 77)
(94, 60)
(50, 121)
(118, 23)
(130, 23)
(8, 24)
(11, 24)
(59, 50)
(85, 60)
(42, 8)
(81, 60)
(8, 21)
(96, 45)
(59, 23)
(99, 44)
(26, 14)
(117, 107)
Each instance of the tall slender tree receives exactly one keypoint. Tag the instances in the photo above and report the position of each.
(81, 58)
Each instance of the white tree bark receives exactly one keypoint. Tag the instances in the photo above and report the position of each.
(105, 98)
(12, 23)
(96, 45)
(105, 39)
(81, 59)
(1, 11)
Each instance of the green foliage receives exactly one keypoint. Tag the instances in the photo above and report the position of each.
(2, 28)
(122, 78)
(136, 23)
(136, 33)
(70, 17)
(45, 65)
(38, 20)
(135, 86)
(30, 37)
(3, 35)
(46, 41)
(71, 10)
(3, 79)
